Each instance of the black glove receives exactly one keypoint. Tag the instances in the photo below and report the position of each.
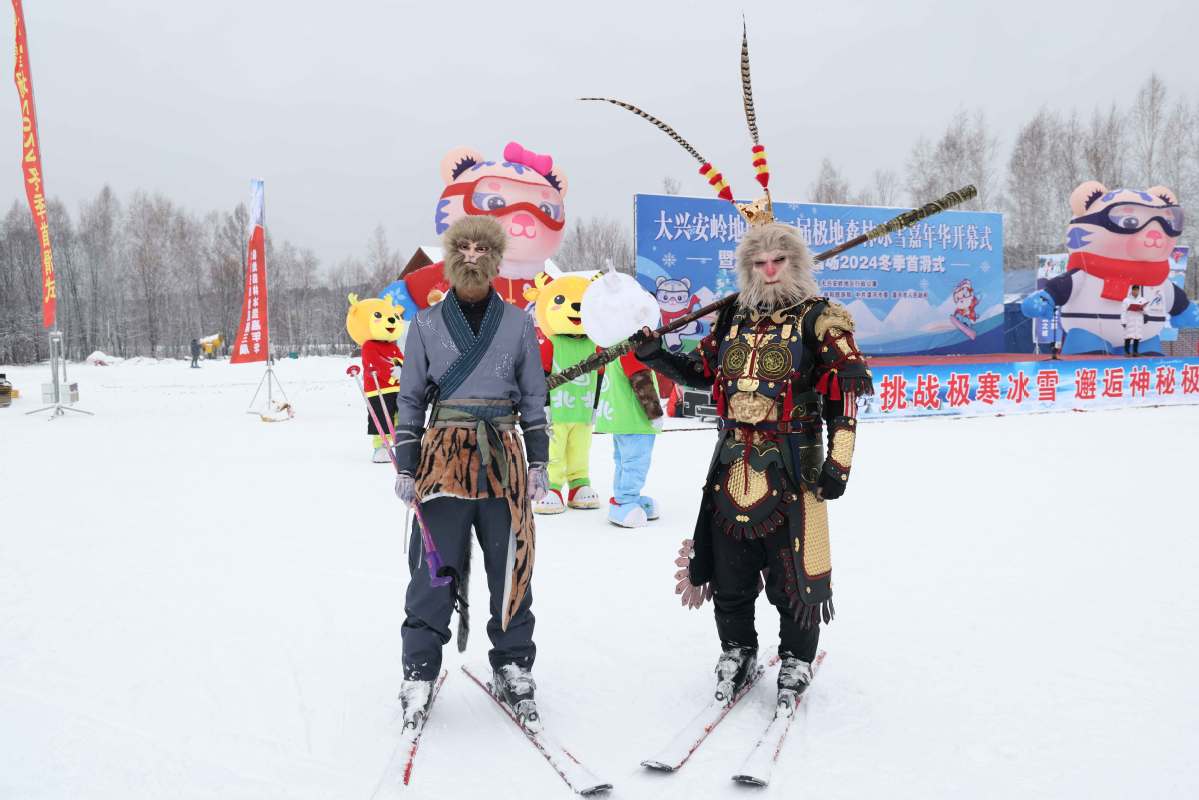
(648, 344)
(832, 481)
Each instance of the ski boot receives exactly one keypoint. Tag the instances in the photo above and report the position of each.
(514, 686)
(380, 456)
(583, 497)
(794, 677)
(415, 697)
(733, 669)
(550, 504)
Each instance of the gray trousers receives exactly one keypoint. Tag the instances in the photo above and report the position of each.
(427, 624)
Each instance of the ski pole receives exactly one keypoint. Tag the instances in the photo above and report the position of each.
(432, 556)
(353, 371)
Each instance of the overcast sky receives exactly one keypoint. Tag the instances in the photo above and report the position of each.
(345, 108)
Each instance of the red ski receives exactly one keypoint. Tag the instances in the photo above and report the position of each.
(760, 763)
(675, 754)
(582, 780)
(403, 759)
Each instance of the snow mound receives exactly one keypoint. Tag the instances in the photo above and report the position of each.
(99, 358)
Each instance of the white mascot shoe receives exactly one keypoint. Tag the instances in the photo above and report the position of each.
(583, 497)
(380, 456)
(626, 515)
(550, 504)
(650, 505)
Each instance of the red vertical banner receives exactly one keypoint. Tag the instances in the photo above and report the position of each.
(31, 167)
(252, 342)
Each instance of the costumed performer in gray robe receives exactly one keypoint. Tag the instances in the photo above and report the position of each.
(472, 362)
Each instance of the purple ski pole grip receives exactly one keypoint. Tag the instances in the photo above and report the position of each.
(432, 557)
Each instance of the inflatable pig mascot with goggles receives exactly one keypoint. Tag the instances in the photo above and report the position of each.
(1117, 239)
(524, 192)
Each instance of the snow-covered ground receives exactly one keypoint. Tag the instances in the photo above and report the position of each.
(195, 604)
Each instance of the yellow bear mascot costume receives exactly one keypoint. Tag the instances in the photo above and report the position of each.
(376, 325)
(559, 317)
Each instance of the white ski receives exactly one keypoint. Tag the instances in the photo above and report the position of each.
(398, 772)
(675, 754)
(582, 780)
(760, 763)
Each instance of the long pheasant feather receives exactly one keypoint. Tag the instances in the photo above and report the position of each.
(747, 91)
(669, 131)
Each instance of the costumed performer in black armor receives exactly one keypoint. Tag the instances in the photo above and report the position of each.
(782, 365)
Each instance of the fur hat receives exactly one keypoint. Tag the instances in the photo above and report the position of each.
(478, 229)
(796, 285)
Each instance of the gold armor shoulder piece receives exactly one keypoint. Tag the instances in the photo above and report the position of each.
(834, 315)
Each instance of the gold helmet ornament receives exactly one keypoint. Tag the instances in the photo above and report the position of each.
(757, 212)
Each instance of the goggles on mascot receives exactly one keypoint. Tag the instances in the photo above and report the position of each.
(1134, 217)
(493, 204)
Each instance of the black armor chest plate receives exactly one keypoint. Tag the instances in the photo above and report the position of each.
(758, 358)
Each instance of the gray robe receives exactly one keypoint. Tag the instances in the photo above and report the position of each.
(471, 451)
(510, 370)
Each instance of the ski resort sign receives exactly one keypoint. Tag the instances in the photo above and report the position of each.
(935, 288)
(1020, 387)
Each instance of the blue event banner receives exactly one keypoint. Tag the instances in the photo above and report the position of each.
(934, 288)
(1021, 387)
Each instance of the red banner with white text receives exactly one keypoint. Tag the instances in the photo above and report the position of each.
(252, 342)
(31, 167)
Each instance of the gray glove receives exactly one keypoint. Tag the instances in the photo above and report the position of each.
(539, 482)
(406, 489)
(691, 596)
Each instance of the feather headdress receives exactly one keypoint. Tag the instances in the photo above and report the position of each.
(758, 212)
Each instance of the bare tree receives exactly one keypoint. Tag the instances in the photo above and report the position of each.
(383, 263)
(99, 237)
(1179, 169)
(671, 185)
(1105, 147)
(1067, 154)
(1149, 122)
(590, 243)
(1031, 199)
(829, 186)
(886, 187)
(228, 236)
(965, 154)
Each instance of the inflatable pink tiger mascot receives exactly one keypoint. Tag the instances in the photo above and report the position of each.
(1118, 238)
(524, 192)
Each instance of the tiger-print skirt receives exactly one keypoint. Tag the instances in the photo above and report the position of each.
(449, 467)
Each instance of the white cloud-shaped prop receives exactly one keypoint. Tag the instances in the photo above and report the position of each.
(615, 306)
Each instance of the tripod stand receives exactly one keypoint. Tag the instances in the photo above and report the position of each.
(59, 393)
(271, 381)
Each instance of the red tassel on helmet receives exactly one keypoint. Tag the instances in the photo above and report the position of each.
(717, 181)
(760, 166)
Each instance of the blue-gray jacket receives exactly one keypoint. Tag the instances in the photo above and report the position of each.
(510, 369)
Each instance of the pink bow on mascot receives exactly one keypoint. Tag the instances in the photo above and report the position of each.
(524, 192)
(1117, 239)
